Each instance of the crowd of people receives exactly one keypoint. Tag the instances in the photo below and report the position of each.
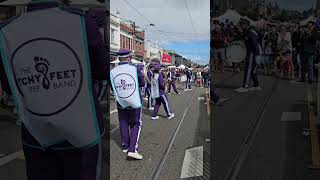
(286, 50)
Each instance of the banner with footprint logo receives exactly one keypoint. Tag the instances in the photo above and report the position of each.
(49, 71)
(124, 80)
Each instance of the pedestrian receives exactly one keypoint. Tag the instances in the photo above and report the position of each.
(188, 81)
(309, 50)
(125, 79)
(62, 123)
(218, 42)
(172, 81)
(158, 93)
(251, 41)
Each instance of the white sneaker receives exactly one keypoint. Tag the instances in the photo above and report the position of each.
(135, 155)
(171, 116)
(258, 88)
(168, 93)
(151, 108)
(242, 90)
(186, 89)
(145, 99)
(125, 150)
(154, 118)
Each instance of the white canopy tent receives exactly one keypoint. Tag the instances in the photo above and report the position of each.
(310, 18)
(136, 61)
(252, 22)
(182, 66)
(231, 15)
(172, 67)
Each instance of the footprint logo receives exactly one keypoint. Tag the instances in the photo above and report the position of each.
(42, 67)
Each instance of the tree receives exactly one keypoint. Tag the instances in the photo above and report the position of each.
(284, 16)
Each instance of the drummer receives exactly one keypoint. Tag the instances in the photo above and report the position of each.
(250, 37)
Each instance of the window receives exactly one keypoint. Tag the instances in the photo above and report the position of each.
(113, 35)
(123, 42)
(129, 43)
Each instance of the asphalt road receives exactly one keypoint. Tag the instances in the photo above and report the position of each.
(258, 135)
(164, 142)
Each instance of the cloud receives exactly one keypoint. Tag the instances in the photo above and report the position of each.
(169, 16)
(172, 19)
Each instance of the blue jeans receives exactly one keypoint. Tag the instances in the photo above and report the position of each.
(307, 63)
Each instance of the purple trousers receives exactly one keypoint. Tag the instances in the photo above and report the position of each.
(130, 127)
(173, 84)
(80, 164)
(164, 100)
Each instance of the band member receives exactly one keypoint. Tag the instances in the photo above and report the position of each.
(58, 143)
(148, 92)
(172, 81)
(188, 81)
(311, 37)
(251, 40)
(128, 102)
(158, 93)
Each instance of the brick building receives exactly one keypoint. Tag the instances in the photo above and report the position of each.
(132, 39)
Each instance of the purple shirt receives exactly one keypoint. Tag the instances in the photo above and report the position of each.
(99, 60)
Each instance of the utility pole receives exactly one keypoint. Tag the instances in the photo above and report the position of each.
(133, 37)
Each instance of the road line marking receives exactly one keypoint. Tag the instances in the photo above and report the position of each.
(114, 111)
(315, 151)
(10, 157)
(192, 163)
(290, 116)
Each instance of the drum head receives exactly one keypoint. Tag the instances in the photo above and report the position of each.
(236, 52)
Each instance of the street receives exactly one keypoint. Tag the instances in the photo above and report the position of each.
(164, 143)
(261, 135)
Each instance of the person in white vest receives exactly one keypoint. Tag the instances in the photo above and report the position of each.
(158, 92)
(172, 81)
(126, 82)
(51, 56)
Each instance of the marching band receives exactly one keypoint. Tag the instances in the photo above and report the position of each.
(155, 83)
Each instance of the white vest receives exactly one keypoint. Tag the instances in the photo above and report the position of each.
(124, 80)
(155, 93)
(46, 59)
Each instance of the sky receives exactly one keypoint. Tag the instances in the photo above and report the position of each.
(299, 5)
(172, 19)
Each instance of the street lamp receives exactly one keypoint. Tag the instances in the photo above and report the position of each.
(144, 29)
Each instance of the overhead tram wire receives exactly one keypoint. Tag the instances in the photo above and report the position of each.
(194, 29)
(140, 13)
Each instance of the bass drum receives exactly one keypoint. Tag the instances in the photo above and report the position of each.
(236, 52)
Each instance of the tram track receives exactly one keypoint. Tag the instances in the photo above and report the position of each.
(158, 169)
(155, 175)
(249, 139)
